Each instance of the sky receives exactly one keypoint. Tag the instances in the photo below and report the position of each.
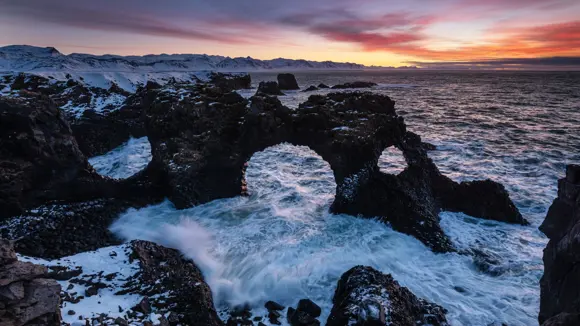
(426, 33)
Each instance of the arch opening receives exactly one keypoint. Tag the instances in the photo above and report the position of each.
(392, 161)
(124, 161)
(289, 175)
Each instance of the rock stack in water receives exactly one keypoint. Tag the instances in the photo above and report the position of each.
(365, 296)
(287, 82)
(560, 285)
(27, 297)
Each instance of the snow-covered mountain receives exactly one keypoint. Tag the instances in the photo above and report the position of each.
(25, 58)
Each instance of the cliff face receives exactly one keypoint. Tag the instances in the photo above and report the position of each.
(560, 285)
(27, 297)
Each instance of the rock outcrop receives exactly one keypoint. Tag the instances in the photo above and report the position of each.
(365, 296)
(287, 82)
(202, 141)
(268, 88)
(173, 284)
(39, 157)
(356, 84)
(27, 296)
(51, 199)
(560, 285)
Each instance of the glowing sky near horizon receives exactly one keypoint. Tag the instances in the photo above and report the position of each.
(372, 32)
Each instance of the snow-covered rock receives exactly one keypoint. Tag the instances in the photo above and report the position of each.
(365, 296)
(24, 58)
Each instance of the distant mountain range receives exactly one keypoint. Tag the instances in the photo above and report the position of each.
(26, 58)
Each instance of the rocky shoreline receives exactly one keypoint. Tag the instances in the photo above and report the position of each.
(202, 133)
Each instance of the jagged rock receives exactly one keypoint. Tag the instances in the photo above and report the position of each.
(201, 146)
(322, 85)
(269, 88)
(287, 82)
(311, 88)
(365, 296)
(560, 284)
(183, 291)
(26, 298)
(309, 307)
(356, 84)
(7, 253)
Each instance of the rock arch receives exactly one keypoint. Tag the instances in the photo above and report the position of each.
(202, 140)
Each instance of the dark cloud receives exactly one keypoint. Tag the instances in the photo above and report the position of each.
(511, 63)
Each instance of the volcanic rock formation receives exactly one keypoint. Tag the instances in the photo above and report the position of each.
(560, 285)
(287, 82)
(365, 296)
(202, 141)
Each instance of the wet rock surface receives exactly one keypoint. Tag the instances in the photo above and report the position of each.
(365, 296)
(287, 82)
(560, 284)
(202, 141)
(172, 284)
(27, 296)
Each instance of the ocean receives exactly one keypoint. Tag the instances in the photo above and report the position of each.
(282, 244)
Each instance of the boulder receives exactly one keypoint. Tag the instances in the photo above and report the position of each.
(365, 296)
(560, 284)
(356, 84)
(201, 146)
(27, 297)
(268, 88)
(287, 82)
(174, 285)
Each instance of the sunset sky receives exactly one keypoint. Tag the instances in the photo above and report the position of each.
(371, 32)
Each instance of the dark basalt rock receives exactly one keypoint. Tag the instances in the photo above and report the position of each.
(201, 145)
(179, 281)
(311, 89)
(560, 285)
(563, 319)
(39, 157)
(365, 296)
(287, 82)
(27, 296)
(40, 162)
(268, 88)
(356, 84)
(230, 82)
(321, 85)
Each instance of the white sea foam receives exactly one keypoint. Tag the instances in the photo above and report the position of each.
(124, 161)
(281, 244)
